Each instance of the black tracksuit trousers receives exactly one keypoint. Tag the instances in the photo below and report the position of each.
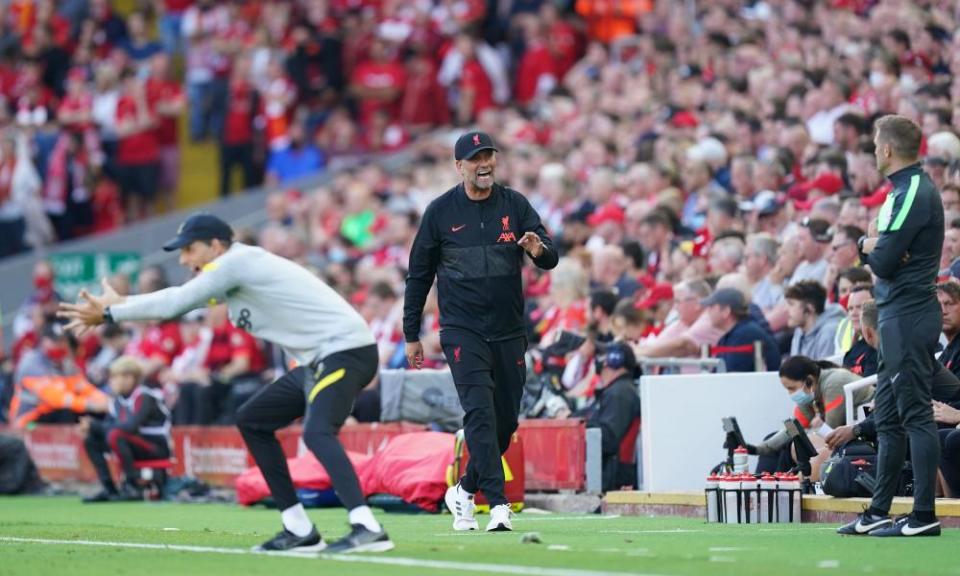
(489, 377)
(903, 409)
(324, 393)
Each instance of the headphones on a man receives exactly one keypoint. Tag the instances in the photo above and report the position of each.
(619, 355)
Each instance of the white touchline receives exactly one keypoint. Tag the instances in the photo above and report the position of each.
(383, 560)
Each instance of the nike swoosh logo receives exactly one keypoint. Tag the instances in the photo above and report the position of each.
(458, 228)
(866, 528)
(908, 531)
(894, 379)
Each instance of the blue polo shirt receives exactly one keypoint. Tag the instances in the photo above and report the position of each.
(744, 332)
(289, 164)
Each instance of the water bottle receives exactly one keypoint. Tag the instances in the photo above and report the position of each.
(730, 490)
(750, 498)
(768, 499)
(796, 499)
(740, 457)
(789, 499)
(783, 498)
(713, 499)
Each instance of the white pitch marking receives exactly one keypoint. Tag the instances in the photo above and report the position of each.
(536, 518)
(674, 531)
(383, 560)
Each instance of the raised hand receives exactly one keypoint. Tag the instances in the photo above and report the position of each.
(88, 311)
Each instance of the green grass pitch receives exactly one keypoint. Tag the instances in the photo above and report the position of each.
(62, 537)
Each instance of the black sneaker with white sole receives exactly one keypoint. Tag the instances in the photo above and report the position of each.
(360, 539)
(907, 526)
(286, 541)
(864, 524)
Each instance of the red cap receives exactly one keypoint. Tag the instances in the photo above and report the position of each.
(829, 183)
(740, 450)
(609, 212)
(657, 293)
(684, 119)
(877, 197)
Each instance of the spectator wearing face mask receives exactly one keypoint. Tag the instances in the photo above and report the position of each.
(817, 390)
(49, 386)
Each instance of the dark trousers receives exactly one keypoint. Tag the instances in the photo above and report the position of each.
(196, 404)
(950, 458)
(127, 447)
(324, 394)
(231, 157)
(902, 407)
(489, 377)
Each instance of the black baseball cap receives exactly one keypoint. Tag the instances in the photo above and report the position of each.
(471, 143)
(729, 297)
(199, 226)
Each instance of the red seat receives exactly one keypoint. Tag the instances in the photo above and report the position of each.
(159, 464)
(628, 446)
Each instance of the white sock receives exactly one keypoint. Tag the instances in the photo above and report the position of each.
(364, 515)
(295, 520)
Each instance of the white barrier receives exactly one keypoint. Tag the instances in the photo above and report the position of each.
(849, 390)
(681, 434)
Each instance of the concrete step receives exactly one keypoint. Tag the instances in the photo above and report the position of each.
(815, 508)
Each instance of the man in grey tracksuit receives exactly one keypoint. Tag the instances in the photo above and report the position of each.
(279, 301)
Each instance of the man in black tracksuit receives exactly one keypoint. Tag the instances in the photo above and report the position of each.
(473, 239)
(905, 258)
(616, 409)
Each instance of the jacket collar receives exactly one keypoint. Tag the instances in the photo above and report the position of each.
(902, 176)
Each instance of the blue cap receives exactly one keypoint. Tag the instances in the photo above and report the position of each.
(199, 226)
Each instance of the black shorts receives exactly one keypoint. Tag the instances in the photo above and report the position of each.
(141, 180)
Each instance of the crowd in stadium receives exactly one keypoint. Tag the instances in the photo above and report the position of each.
(706, 175)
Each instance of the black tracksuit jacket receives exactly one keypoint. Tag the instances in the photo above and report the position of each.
(471, 248)
(907, 257)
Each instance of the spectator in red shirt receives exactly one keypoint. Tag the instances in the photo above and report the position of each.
(67, 195)
(424, 101)
(476, 90)
(235, 360)
(236, 142)
(138, 150)
(562, 39)
(377, 83)
(76, 107)
(537, 70)
(167, 101)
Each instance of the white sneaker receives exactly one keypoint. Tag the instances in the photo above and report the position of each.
(460, 504)
(500, 519)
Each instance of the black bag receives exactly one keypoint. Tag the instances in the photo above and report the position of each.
(18, 474)
(850, 471)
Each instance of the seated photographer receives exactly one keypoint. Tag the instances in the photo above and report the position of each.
(817, 390)
(137, 428)
(945, 386)
(617, 406)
